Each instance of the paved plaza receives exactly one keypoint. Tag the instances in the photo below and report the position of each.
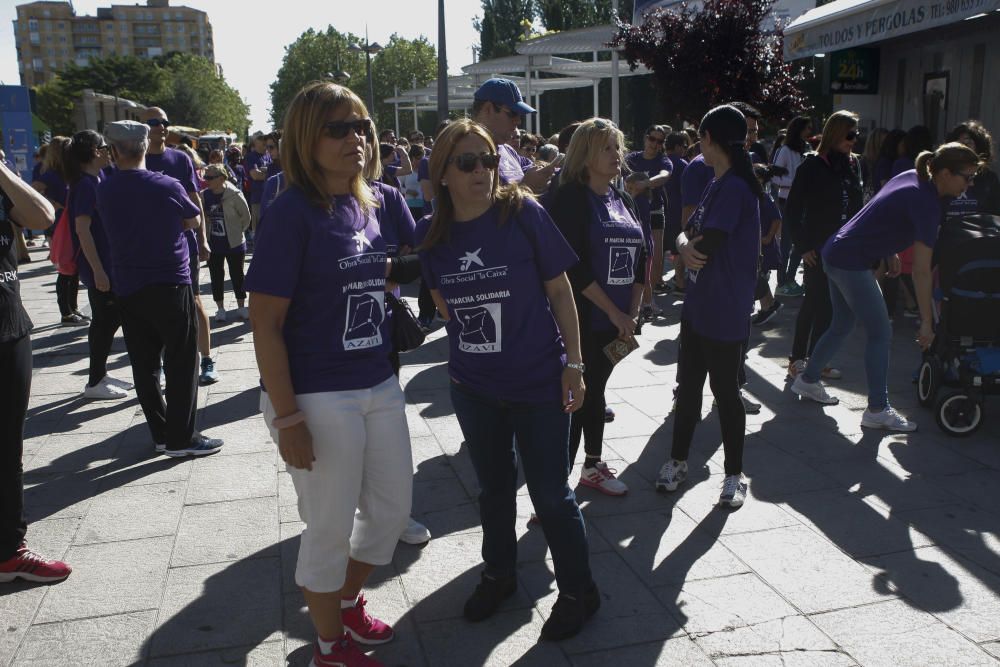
(854, 548)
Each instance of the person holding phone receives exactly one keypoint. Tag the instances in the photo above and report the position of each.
(721, 249)
(496, 266)
(601, 224)
(907, 211)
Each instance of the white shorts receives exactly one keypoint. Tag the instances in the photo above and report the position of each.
(355, 501)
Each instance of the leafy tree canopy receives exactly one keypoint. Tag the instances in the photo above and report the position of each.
(713, 55)
(318, 55)
(189, 88)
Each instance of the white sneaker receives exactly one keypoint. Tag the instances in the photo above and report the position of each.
(243, 313)
(887, 419)
(415, 533)
(671, 475)
(734, 491)
(831, 373)
(104, 391)
(602, 478)
(162, 380)
(220, 315)
(813, 390)
(127, 386)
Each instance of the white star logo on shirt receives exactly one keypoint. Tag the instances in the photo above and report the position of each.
(470, 258)
(361, 240)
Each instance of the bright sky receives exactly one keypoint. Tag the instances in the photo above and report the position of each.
(250, 44)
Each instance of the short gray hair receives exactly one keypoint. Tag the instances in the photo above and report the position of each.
(131, 149)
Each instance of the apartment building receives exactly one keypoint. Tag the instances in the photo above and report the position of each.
(48, 35)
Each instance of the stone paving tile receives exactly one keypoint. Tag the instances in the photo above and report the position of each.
(226, 531)
(218, 478)
(676, 652)
(892, 633)
(969, 530)
(723, 603)
(109, 578)
(784, 637)
(811, 572)
(957, 591)
(133, 512)
(106, 640)
(663, 547)
(270, 654)
(224, 605)
(508, 638)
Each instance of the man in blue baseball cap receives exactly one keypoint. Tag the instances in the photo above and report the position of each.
(499, 107)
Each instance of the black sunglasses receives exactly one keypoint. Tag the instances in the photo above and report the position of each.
(851, 136)
(467, 161)
(338, 129)
(156, 122)
(510, 113)
(654, 139)
(102, 147)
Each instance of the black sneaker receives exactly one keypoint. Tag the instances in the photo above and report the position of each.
(488, 596)
(570, 612)
(764, 316)
(199, 446)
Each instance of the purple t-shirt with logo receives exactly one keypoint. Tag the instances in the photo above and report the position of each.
(83, 201)
(651, 167)
(904, 211)
(695, 181)
(672, 210)
(615, 241)
(255, 160)
(504, 341)
(143, 214)
(331, 265)
(512, 164)
(969, 202)
(177, 164)
(719, 297)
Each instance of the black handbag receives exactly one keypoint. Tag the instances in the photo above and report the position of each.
(406, 332)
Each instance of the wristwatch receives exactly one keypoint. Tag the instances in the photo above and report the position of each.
(576, 367)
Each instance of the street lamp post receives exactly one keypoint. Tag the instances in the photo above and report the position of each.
(369, 50)
(339, 76)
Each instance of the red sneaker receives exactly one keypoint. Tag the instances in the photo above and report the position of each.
(30, 566)
(363, 627)
(345, 653)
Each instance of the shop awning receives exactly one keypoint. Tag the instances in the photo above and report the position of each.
(843, 24)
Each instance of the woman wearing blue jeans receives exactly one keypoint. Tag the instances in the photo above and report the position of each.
(907, 211)
(496, 265)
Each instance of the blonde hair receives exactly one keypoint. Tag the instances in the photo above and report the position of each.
(835, 130)
(952, 156)
(190, 152)
(509, 197)
(303, 127)
(54, 155)
(588, 141)
(873, 145)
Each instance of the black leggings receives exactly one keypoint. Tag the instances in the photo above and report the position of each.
(814, 313)
(217, 271)
(588, 422)
(67, 289)
(721, 362)
(15, 369)
(104, 324)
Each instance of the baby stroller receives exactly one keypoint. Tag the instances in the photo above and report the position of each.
(965, 355)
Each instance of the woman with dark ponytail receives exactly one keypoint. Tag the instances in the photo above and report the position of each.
(84, 157)
(720, 247)
(907, 211)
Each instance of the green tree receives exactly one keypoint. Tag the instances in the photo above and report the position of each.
(500, 26)
(316, 55)
(198, 96)
(571, 14)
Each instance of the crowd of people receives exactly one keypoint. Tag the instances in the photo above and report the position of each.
(543, 257)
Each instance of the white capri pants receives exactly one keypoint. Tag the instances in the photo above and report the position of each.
(355, 501)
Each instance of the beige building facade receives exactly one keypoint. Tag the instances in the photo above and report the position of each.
(48, 35)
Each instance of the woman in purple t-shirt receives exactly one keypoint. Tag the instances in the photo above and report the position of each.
(331, 401)
(496, 266)
(721, 260)
(601, 224)
(907, 211)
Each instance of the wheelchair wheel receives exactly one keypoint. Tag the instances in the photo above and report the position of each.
(929, 381)
(959, 414)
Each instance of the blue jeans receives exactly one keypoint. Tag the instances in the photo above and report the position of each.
(790, 257)
(855, 295)
(497, 432)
